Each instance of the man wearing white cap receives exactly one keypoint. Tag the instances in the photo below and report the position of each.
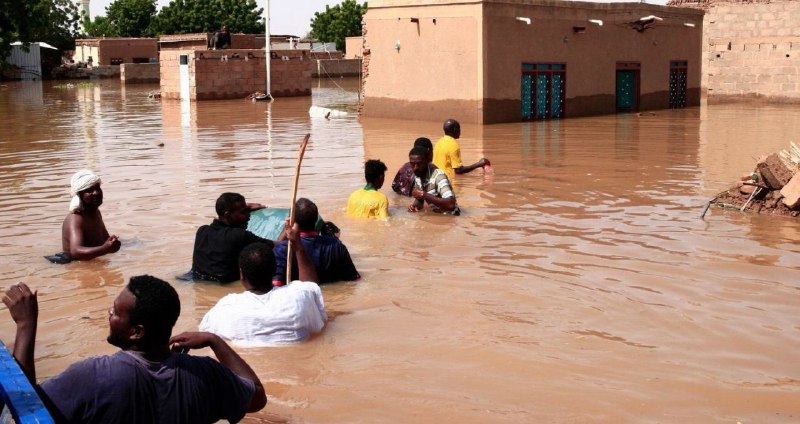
(83, 234)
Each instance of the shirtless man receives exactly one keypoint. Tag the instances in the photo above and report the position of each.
(83, 233)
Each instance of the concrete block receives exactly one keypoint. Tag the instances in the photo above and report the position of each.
(775, 173)
(791, 193)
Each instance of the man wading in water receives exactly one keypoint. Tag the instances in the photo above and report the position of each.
(83, 233)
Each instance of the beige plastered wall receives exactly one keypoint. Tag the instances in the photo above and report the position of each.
(84, 51)
(437, 71)
(468, 63)
(353, 47)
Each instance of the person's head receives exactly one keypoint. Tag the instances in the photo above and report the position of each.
(426, 143)
(330, 229)
(305, 214)
(232, 209)
(375, 172)
(452, 128)
(85, 191)
(256, 266)
(224, 28)
(418, 159)
(143, 314)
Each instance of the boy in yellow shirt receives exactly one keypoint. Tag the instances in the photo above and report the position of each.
(368, 202)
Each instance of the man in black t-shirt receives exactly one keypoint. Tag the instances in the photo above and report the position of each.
(150, 379)
(217, 246)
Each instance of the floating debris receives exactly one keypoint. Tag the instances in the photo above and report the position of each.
(772, 188)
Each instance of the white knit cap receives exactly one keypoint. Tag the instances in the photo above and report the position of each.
(82, 180)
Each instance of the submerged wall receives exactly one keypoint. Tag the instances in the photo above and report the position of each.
(134, 73)
(229, 74)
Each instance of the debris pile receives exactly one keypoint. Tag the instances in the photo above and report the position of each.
(773, 187)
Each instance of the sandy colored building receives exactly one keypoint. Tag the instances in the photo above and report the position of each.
(115, 51)
(353, 47)
(488, 61)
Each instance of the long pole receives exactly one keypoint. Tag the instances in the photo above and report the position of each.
(268, 56)
(291, 209)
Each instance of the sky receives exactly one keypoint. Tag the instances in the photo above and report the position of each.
(287, 17)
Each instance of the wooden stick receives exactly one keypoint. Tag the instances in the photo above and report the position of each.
(291, 209)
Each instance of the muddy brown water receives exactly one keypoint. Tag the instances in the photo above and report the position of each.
(579, 285)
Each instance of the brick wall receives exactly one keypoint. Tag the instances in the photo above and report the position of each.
(751, 50)
(227, 74)
(132, 73)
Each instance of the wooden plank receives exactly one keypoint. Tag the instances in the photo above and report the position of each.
(18, 393)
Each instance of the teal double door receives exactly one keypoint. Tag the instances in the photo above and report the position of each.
(543, 89)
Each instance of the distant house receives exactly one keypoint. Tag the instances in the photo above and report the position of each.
(199, 41)
(27, 64)
(487, 61)
(115, 51)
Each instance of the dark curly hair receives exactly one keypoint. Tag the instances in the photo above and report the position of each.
(373, 169)
(257, 263)
(157, 306)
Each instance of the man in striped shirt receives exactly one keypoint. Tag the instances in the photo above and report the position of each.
(431, 185)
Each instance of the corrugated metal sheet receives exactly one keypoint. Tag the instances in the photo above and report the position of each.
(30, 62)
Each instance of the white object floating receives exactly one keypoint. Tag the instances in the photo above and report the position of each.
(323, 112)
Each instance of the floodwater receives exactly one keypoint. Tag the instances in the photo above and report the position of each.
(580, 284)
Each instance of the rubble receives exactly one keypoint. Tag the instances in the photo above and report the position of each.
(772, 188)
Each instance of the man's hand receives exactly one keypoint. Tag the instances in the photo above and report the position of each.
(483, 162)
(417, 194)
(186, 341)
(22, 304)
(24, 309)
(255, 206)
(112, 244)
(292, 234)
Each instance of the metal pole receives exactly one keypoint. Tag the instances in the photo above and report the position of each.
(268, 56)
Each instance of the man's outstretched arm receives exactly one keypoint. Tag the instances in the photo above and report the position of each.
(469, 168)
(226, 356)
(24, 309)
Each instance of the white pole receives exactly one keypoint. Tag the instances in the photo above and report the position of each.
(268, 57)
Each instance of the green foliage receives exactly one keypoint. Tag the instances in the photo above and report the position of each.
(338, 22)
(52, 21)
(131, 18)
(124, 18)
(99, 27)
(191, 16)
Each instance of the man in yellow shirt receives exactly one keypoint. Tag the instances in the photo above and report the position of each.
(447, 152)
(368, 202)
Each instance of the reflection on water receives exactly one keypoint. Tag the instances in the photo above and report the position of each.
(579, 284)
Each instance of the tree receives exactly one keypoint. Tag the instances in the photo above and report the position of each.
(99, 27)
(131, 18)
(338, 22)
(51, 21)
(190, 16)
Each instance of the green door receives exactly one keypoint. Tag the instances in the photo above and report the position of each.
(626, 90)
